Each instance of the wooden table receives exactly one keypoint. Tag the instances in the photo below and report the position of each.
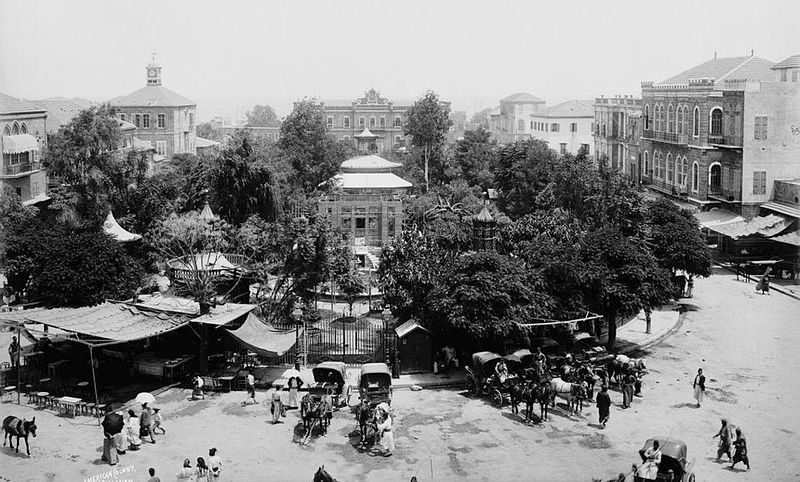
(68, 404)
(52, 367)
(40, 397)
(176, 365)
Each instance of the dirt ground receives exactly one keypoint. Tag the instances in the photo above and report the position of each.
(745, 342)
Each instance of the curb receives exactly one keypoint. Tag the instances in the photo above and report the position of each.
(660, 338)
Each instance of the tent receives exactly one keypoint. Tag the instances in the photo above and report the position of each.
(265, 339)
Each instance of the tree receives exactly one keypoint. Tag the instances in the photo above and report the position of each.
(241, 183)
(12, 215)
(675, 238)
(64, 267)
(206, 130)
(427, 123)
(524, 170)
(83, 154)
(313, 155)
(350, 286)
(475, 158)
(262, 116)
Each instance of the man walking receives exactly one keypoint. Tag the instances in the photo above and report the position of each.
(13, 351)
(699, 386)
(251, 387)
(603, 405)
(740, 455)
(146, 423)
(627, 390)
(724, 435)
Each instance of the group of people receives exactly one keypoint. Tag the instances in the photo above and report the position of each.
(383, 425)
(732, 436)
(134, 429)
(202, 471)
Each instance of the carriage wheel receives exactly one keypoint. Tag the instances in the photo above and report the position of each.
(472, 384)
(497, 398)
(691, 478)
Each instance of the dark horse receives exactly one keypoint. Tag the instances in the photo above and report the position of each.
(311, 413)
(322, 475)
(20, 428)
(366, 420)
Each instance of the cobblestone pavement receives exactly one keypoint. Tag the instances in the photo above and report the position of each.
(745, 342)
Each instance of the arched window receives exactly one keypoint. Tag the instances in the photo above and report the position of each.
(680, 120)
(6, 131)
(657, 166)
(657, 115)
(521, 126)
(670, 119)
(716, 122)
(23, 129)
(646, 168)
(695, 177)
(696, 122)
(715, 178)
(647, 117)
(682, 167)
(15, 129)
(670, 169)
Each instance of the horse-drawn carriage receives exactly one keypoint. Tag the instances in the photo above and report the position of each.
(330, 377)
(586, 349)
(480, 378)
(375, 383)
(673, 467)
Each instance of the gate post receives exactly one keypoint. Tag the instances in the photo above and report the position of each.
(386, 338)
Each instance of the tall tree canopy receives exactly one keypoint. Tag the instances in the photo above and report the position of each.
(523, 171)
(242, 183)
(427, 123)
(262, 116)
(475, 158)
(675, 238)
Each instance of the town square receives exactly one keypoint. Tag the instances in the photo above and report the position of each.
(237, 244)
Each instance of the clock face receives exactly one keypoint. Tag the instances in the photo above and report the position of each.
(151, 73)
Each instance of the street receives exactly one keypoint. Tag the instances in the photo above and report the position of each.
(745, 342)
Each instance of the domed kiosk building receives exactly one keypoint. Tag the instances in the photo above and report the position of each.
(366, 200)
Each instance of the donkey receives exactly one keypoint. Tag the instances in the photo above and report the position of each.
(20, 428)
(311, 413)
(366, 420)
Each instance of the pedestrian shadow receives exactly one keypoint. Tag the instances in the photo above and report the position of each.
(596, 425)
(685, 405)
(520, 418)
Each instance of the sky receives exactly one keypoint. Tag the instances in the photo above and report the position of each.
(228, 55)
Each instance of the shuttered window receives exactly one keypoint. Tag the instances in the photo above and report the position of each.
(759, 182)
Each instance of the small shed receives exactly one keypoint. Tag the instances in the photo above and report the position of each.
(415, 345)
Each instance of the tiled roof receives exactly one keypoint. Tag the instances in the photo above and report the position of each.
(792, 62)
(11, 105)
(521, 97)
(152, 96)
(60, 110)
(747, 68)
(570, 108)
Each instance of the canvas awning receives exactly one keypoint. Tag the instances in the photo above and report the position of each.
(717, 217)
(766, 226)
(265, 339)
(792, 238)
(101, 325)
(223, 314)
(19, 143)
(113, 229)
(782, 208)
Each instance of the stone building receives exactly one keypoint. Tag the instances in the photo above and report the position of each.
(24, 136)
(162, 117)
(720, 133)
(366, 202)
(566, 127)
(512, 122)
(617, 133)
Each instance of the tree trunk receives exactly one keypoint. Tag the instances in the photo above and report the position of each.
(647, 313)
(205, 344)
(611, 319)
(426, 155)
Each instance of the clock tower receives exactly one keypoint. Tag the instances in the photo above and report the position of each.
(153, 72)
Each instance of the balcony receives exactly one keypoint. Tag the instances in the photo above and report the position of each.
(724, 193)
(668, 137)
(726, 141)
(20, 169)
(666, 187)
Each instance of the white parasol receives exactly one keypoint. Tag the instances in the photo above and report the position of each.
(145, 397)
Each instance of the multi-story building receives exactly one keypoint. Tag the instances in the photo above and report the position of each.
(24, 128)
(162, 117)
(383, 118)
(718, 134)
(617, 133)
(512, 121)
(566, 127)
(272, 133)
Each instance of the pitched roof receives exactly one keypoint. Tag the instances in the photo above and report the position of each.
(570, 108)
(60, 110)
(152, 96)
(792, 62)
(360, 180)
(368, 162)
(748, 68)
(10, 105)
(521, 97)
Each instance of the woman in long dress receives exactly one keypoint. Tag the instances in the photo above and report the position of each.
(294, 385)
(109, 449)
(132, 431)
(276, 406)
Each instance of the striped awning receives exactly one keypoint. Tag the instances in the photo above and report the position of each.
(19, 143)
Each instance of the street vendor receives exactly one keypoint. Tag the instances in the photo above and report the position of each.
(652, 459)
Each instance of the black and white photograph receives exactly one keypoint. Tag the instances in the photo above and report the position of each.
(399, 241)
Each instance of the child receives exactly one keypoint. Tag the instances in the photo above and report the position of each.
(157, 419)
(214, 462)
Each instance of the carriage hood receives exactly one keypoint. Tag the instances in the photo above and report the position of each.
(325, 369)
(673, 452)
(484, 361)
(376, 371)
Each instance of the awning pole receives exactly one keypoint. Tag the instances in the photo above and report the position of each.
(18, 355)
(94, 383)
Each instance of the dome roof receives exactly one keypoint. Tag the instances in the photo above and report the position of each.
(369, 163)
